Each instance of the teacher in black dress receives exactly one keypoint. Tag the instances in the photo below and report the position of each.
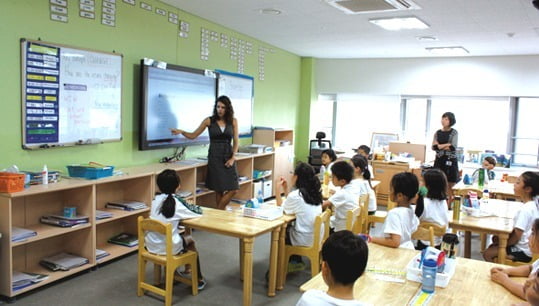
(222, 176)
(445, 144)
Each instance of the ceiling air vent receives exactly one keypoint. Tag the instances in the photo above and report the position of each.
(371, 6)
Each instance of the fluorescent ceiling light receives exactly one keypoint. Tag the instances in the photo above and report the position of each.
(447, 51)
(427, 38)
(400, 23)
(270, 11)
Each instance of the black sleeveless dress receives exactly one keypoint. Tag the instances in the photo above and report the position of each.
(220, 178)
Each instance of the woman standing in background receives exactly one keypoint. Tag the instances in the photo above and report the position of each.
(222, 175)
(445, 144)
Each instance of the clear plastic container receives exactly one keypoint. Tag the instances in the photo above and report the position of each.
(428, 281)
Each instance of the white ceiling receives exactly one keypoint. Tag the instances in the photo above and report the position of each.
(313, 28)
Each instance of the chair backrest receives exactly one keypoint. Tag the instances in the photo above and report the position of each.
(321, 228)
(353, 220)
(364, 204)
(464, 192)
(150, 225)
(390, 204)
(512, 179)
(427, 231)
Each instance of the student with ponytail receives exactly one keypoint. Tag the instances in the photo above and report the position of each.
(362, 180)
(168, 208)
(305, 201)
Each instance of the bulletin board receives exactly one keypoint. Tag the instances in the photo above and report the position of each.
(70, 96)
(240, 89)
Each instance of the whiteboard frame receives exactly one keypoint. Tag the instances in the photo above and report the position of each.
(46, 145)
(241, 76)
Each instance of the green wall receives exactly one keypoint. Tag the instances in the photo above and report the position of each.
(138, 34)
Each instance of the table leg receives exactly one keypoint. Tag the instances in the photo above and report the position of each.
(273, 260)
(467, 244)
(502, 244)
(280, 259)
(241, 258)
(248, 244)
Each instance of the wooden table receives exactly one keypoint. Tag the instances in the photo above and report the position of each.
(470, 285)
(246, 229)
(495, 188)
(500, 224)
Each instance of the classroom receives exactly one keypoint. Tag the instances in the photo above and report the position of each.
(296, 93)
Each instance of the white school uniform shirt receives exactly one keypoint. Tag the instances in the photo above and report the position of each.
(343, 200)
(435, 211)
(155, 242)
(535, 268)
(401, 221)
(302, 232)
(315, 297)
(361, 186)
(523, 220)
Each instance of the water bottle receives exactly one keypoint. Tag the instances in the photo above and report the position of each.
(45, 175)
(260, 197)
(322, 171)
(428, 281)
(456, 208)
(481, 178)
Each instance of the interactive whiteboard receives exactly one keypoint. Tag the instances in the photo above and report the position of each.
(70, 96)
(239, 88)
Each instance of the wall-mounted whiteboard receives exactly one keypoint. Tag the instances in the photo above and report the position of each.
(70, 96)
(240, 89)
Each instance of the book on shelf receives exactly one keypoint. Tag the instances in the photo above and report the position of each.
(101, 254)
(124, 239)
(184, 193)
(63, 261)
(20, 234)
(63, 221)
(101, 214)
(36, 177)
(21, 280)
(126, 205)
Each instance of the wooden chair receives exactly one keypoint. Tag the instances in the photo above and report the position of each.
(379, 216)
(354, 220)
(169, 261)
(509, 262)
(427, 231)
(512, 179)
(320, 233)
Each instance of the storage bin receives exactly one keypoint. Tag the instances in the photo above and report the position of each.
(265, 212)
(414, 273)
(11, 182)
(88, 172)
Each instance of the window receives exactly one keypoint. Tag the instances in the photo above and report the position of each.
(526, 140)
(322, 116)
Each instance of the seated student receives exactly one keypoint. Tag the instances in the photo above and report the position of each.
(362, 181)
(328, 158)
(531, 291)
(169, 209)
(366, 151)
(344, 199)
(434, 204)
(527, 188)
(401, 221)
(488, 164)
(305, 201)
(501, 275)
(344, 259)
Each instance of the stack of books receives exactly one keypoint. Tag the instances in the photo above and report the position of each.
(63, 261)
(101, 214)
(99, 254)
(21, 280)
(21, 234)
(59, 220)
(126, 205)
(36, 178)
(124, 239)
(184, 193)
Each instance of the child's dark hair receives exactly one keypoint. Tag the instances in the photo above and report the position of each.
(531, 179)
(436, 183)
(365, 149)
(491, 160)
(168, 181)
(346, 255)
(361, 162)
(343, 171)
(407, 184)
(451, 117)
(308, 184)
(331, 154)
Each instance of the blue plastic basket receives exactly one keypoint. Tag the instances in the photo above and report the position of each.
(90, 173)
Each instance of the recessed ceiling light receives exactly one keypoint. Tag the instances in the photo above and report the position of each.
(447, 51)
(400, 23)
(427, 38)
(270, 11)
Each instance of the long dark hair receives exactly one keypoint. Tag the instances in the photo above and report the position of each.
(308, 184)
(436, 183)
(168, 182)
(229, 110)
(407, 184)
(531, 179)
(360, 161)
